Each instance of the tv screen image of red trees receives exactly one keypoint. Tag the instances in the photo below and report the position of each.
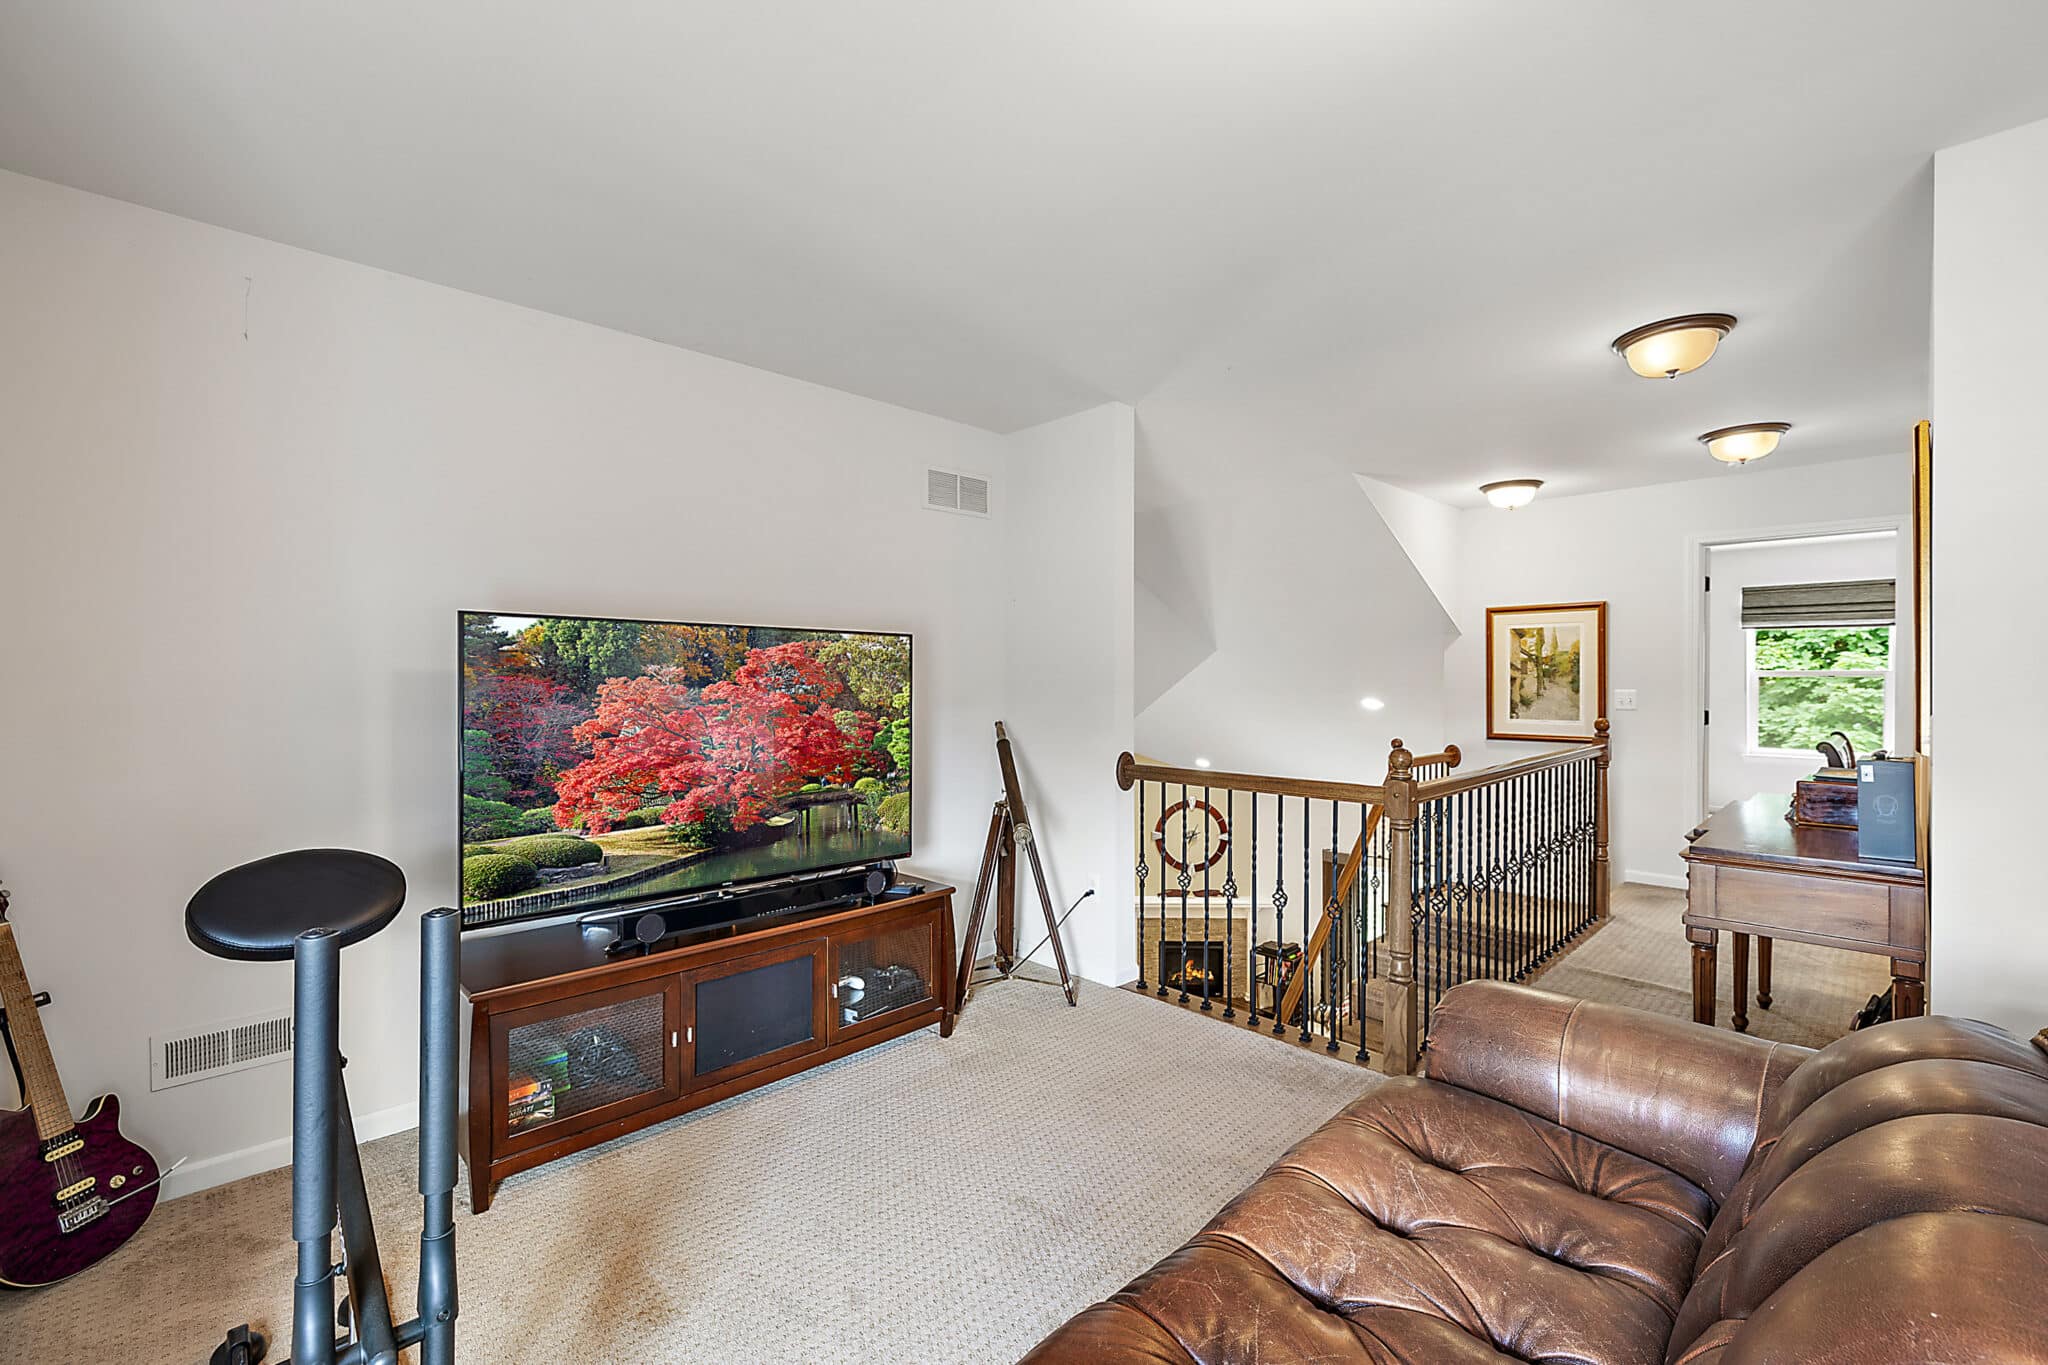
(607, 760)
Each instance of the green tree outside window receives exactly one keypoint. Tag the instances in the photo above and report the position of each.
(1813, 680)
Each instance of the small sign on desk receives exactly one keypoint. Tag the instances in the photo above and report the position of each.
(1885, 826)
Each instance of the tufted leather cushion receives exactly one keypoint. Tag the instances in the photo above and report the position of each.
(1546, 1195)
(1426, 1222)
(1923, 1138)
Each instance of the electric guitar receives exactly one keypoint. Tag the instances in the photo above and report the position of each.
(70, 1192)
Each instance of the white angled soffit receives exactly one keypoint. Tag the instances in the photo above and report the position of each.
(1427, 532)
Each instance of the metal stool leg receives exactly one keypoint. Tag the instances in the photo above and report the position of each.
(316, 1085)
(440, 966)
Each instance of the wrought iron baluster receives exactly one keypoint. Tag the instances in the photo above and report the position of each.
(1207, 932)
(1251, 976)
(1467, 911)
(1308, 966)
(1333, 941)
(1511, 854)
(1144, 875)
(1161, 947)
(1279, 912)
(1549, 858)
(1360, 894)
(1186, 879)
(1229, 910)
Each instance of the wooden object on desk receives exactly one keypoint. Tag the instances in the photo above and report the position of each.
(1825, 801)
(1750, 871)
(647, 1036)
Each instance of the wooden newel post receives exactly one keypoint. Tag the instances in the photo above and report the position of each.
(1602, 880)
(1402, 1046)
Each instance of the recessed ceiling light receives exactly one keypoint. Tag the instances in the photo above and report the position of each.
(1201, 763)
(1750, 441)
(1372, 703)
(1511, 493)
(1675, 346)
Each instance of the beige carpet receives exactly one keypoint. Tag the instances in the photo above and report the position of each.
(1641, 958)
(929, 1201)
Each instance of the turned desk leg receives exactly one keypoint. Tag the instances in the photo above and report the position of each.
(1704, 949)
(1763, 972)
(1909, 990)
(1740, 1016)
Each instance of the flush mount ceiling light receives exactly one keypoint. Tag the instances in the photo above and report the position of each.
(1750, 441)
(1201, 763)
(1675, 346)
(1371, 703)
(1511, 493)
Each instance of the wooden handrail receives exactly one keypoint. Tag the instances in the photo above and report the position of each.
(1346, 879)
(1129, 772)
(1450, 758)
(1501, 772)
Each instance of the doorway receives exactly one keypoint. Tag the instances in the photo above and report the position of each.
(1783, 670)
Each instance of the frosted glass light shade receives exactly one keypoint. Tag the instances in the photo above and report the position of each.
(1511, 493)
(1750, 441)
(1675, 346)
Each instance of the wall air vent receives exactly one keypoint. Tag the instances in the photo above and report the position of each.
(948, 490)
(237, 1045)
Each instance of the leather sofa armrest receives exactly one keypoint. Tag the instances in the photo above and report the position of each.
(1686, 1096)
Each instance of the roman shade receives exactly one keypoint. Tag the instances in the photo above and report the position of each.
(1861, 602)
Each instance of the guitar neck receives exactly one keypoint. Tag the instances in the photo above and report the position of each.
(45, 1093)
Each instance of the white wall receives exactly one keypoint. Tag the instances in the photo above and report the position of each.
(247, 489)
(1734, 769)
(1311, 605)
(1068, 568)
(1989, 955)
(1639, 551)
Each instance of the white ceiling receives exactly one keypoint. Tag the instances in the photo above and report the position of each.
(1400, 234)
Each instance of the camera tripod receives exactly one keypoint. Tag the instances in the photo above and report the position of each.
(1009, 832)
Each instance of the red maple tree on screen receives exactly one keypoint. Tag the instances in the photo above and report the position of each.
(737, 747)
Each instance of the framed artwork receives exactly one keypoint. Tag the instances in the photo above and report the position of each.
(1546, 670)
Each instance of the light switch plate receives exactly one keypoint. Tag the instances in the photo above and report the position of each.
(1625, 699)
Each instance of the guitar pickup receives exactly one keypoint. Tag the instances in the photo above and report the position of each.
(73, 1191)
(65, 1148)
(71, 1220)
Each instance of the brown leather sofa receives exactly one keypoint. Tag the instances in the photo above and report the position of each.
(1576, 1182)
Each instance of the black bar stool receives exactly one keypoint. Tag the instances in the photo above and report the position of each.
(307, 906)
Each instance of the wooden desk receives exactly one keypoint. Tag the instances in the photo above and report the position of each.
(1751, 871)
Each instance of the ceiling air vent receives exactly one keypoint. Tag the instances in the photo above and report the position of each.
(947, 490)
(218, 1049)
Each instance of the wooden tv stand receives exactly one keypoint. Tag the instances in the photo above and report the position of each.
(568, 1048)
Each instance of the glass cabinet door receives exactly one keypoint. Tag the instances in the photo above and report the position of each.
(753, 1012)
(581, 1061)
(878, 973)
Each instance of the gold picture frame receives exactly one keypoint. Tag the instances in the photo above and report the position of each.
(1923, 587)
(1546, 670)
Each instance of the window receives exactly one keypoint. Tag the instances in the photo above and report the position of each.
(1805, 682)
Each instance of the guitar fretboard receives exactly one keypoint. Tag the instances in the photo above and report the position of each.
(45, 1092)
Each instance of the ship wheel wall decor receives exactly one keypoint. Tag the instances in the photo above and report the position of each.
(1179, 835)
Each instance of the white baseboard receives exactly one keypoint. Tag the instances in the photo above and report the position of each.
(204, 1174)
(1675, 881)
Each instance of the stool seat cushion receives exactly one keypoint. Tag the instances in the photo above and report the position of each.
(254, 912)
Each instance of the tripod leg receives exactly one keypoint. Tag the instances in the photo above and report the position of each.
(1052, 924)
(983, 883)
(1006, 900)
(316, 1085)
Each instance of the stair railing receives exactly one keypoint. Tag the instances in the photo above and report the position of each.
(1443, 876)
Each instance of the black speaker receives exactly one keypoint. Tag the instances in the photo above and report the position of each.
(881, 877)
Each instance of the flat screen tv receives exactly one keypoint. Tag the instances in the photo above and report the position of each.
(608, 763)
